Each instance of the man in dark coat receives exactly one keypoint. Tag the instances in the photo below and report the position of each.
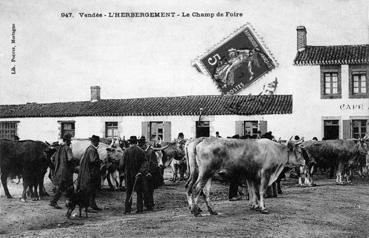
(182, 165)
(151, 174)
(89, 172)
(133, 161)
(63, 170)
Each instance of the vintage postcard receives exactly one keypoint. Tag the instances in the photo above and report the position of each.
(169, 118)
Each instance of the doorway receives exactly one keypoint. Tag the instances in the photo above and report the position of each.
(331, 129)
(202, 129)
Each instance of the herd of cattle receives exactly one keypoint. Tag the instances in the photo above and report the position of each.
(259, 162)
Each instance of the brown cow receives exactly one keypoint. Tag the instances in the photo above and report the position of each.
(27, 158)
(261, 161)
(171, 154)
(342, 155)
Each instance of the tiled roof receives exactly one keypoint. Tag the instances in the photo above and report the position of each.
(156, 106)
(335, 54)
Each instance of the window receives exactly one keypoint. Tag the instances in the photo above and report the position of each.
(111, 129)
(359, 128)
(358, 81)
(251, 128)
(330, 81)
(67, 128)
(153, 130)
(8, 130)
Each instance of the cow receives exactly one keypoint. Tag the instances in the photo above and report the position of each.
(172, 155)
(342, 155)
(260, 161)
(27, 158)
(109, 156)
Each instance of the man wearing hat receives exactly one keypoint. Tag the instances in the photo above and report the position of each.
(151, 174)
(89, 172)
(133, 161)
(63, 170)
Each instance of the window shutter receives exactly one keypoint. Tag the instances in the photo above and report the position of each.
(145, 129)
(167, 131)
(346, 129)
(263, 126)
(240, 130)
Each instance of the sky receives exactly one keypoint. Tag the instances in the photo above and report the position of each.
(59, 58)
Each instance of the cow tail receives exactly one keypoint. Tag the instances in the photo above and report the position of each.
(187, 159)
(188, 166)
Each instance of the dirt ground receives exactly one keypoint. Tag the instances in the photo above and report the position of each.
(327, 210)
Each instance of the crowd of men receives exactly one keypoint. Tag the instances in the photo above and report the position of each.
(139, 163)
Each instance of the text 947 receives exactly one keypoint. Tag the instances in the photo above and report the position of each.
(66, 14)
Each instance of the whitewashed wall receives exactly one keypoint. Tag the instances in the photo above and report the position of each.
(309, 110)
(49, 129)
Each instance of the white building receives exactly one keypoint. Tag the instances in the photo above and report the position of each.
(165, 117)
(330, 99)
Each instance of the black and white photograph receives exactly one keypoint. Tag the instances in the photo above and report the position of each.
(171, 118)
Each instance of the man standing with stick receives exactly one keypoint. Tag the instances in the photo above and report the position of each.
(89, 173)
(133, 160)
(151, 174)
(63, 172)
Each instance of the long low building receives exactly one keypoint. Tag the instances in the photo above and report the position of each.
(152, 117)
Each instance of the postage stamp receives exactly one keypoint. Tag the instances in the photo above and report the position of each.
(237, 61)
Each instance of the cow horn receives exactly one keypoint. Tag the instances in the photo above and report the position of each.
(161, 148)
(299, 142)
(290, 138)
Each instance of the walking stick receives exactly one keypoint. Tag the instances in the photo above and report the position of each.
(134, 186)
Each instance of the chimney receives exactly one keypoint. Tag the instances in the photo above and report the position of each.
(95, 93)
(301, 38)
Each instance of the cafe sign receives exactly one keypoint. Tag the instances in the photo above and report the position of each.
(351, 107)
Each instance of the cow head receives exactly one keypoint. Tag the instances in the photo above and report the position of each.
(295, 154)
(361, 160)
(114, 154)
(172, 149)
(159, 157)
(49, 151)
